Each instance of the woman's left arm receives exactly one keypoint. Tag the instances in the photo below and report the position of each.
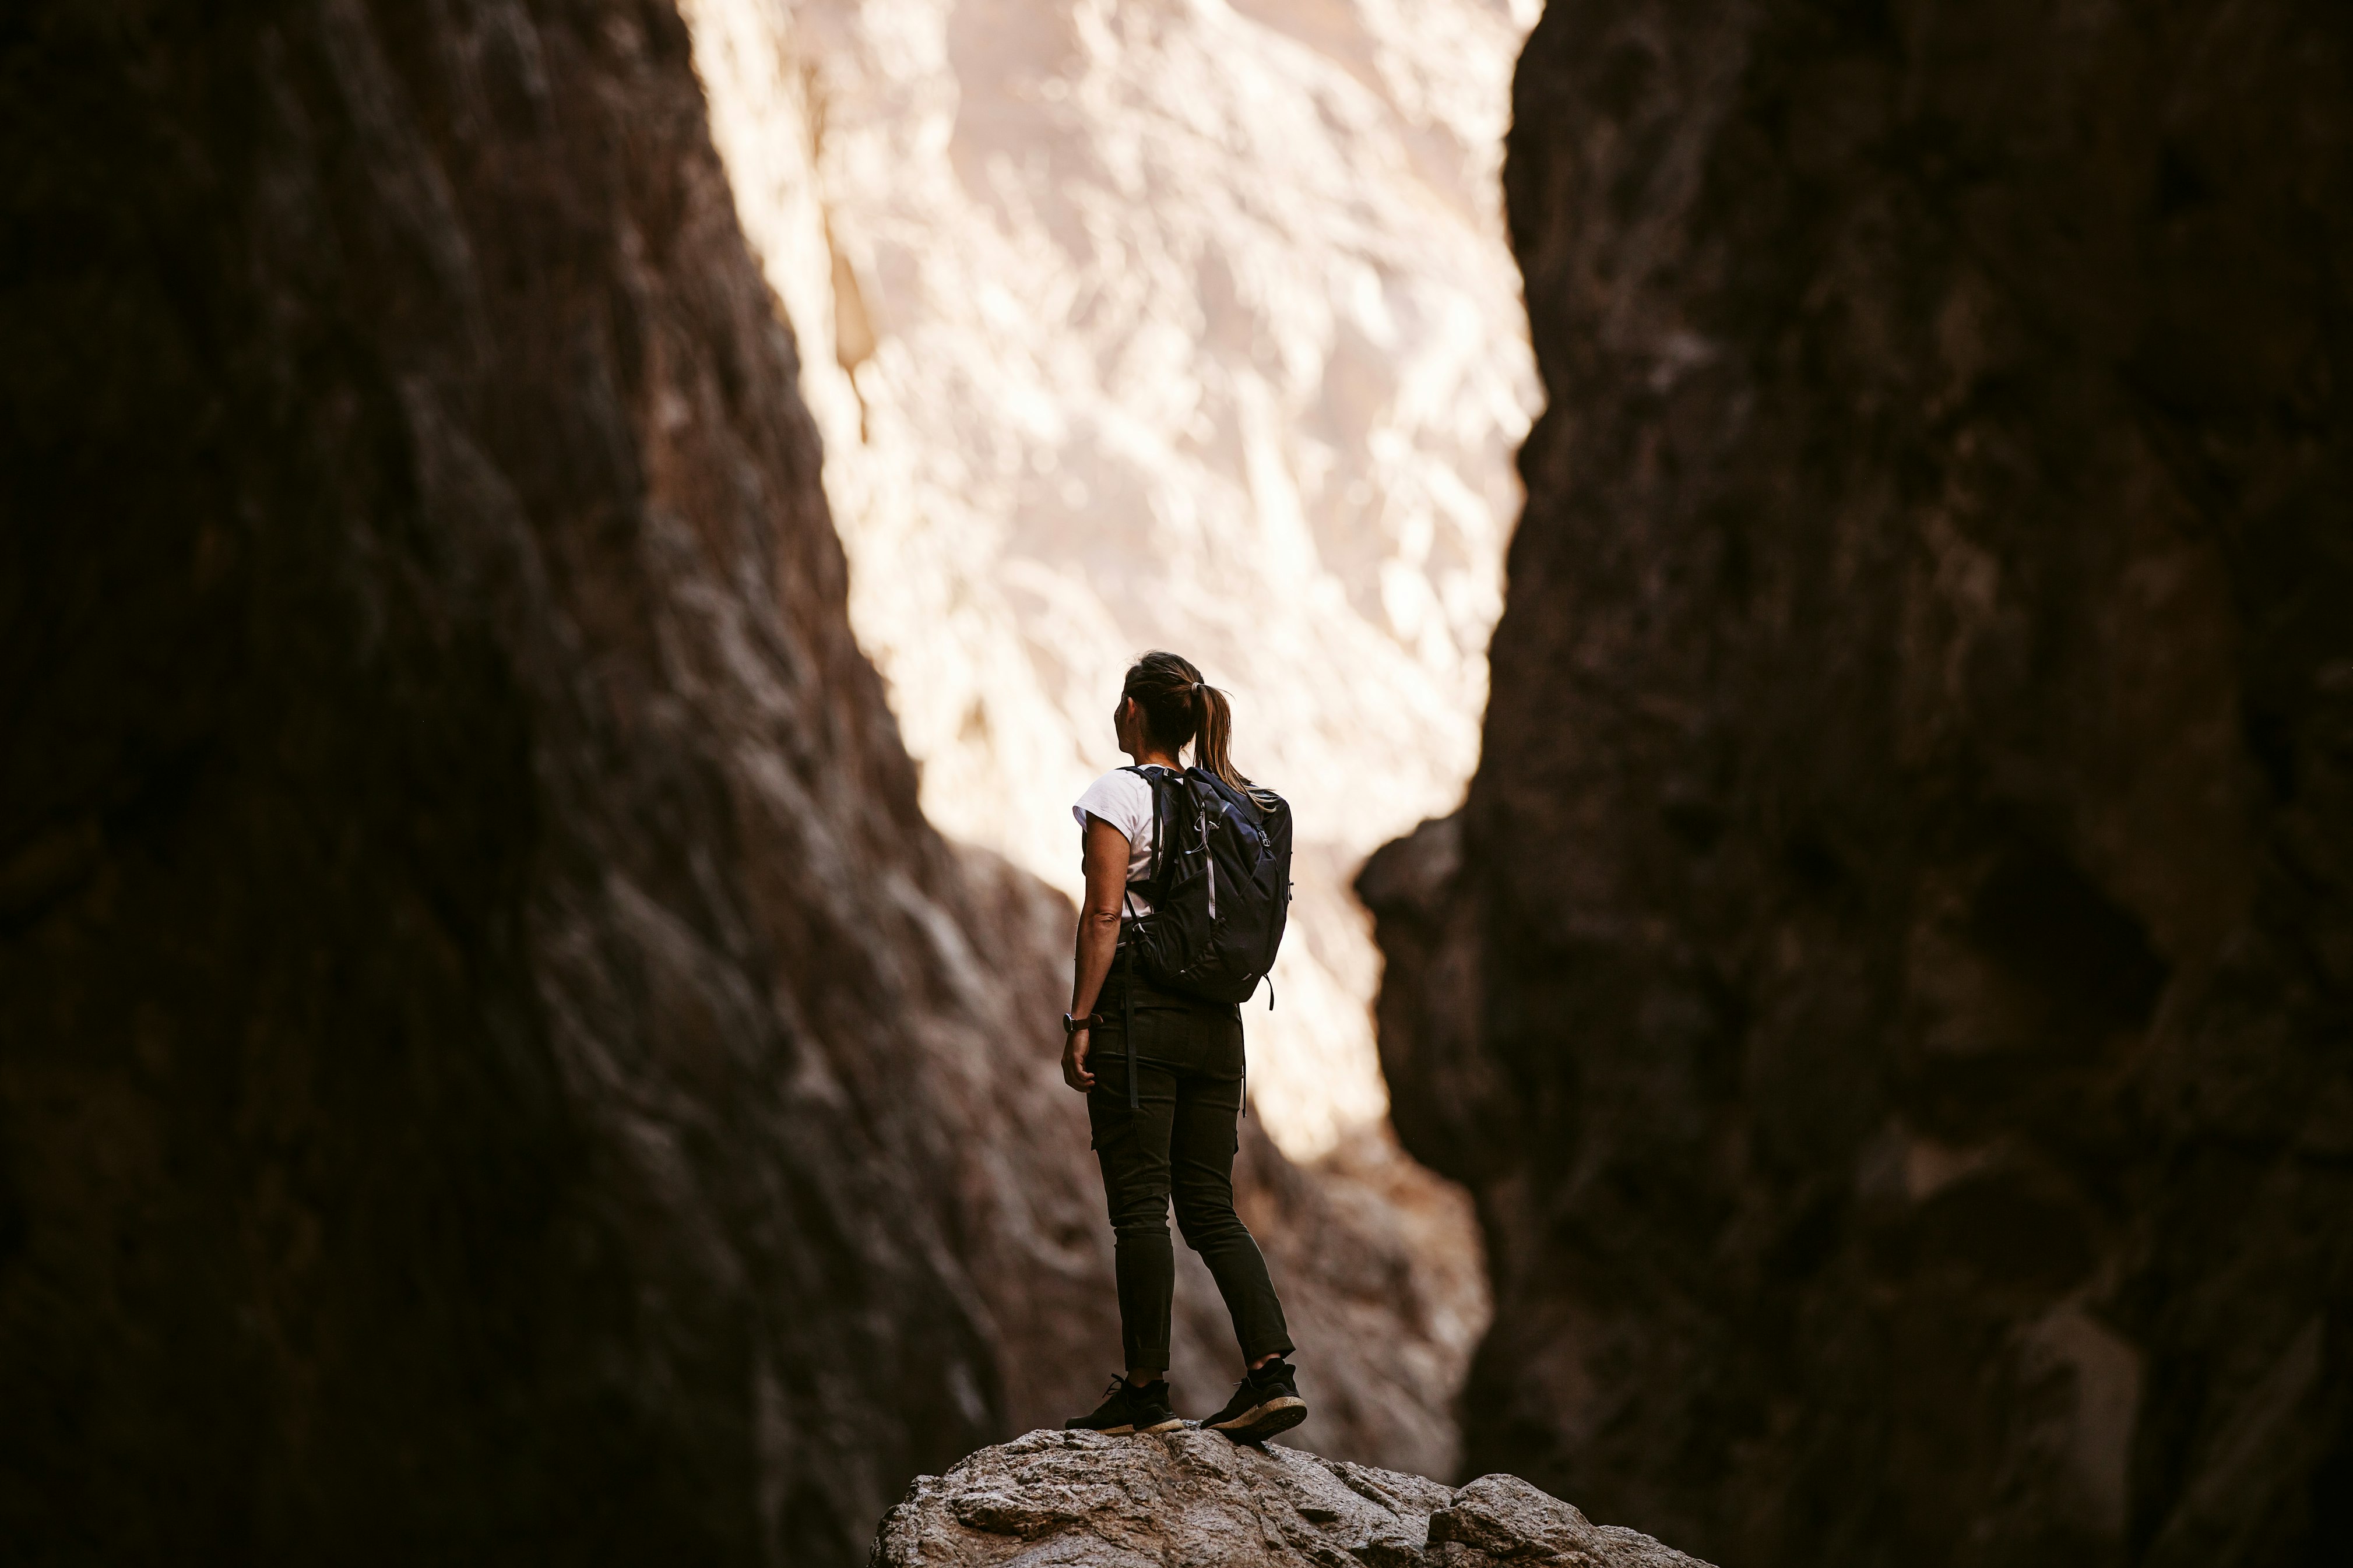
(1103, 862)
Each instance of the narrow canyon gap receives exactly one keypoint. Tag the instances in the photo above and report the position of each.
(1890, 986)
(1159, 324)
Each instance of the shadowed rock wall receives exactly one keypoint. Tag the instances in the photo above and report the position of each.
(493, 1063)
(481, 1005)
(1890, 986)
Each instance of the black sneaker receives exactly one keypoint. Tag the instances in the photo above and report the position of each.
(1265, 1401)
(1127, 1408)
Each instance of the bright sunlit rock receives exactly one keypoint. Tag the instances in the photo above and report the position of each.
(1158, 325)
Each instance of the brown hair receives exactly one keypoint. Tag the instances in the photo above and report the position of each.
(1179, 706)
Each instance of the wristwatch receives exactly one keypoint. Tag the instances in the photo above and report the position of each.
(1071, 1025)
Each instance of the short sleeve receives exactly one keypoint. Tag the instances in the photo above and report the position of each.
(1120, 799)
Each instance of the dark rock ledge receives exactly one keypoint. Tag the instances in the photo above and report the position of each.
(1194, 1499)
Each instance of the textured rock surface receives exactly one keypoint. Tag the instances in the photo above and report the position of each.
(494, 1059)
(494, 1063)
(1159, 324)
(1194, 1498)
(1891, 985)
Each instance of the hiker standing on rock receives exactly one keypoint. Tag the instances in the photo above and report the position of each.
(1187, 885)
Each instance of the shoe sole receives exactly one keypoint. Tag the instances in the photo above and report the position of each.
(1264, 1421)
(1171, 1424)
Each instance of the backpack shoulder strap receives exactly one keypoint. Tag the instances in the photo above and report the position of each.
(1152, 782)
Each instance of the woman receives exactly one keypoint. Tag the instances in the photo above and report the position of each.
(1178, 1137)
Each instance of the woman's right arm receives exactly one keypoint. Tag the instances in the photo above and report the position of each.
(1103, 862)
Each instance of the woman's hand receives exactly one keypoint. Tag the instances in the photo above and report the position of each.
(1074, 1063)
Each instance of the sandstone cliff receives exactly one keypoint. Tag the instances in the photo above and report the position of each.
(1890, 986)
(1195, 1498)
(494, 1063)
(1159, 324)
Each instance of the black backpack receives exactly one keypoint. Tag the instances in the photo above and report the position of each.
(1219, 886)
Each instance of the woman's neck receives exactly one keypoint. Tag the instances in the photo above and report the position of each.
(1156, 760)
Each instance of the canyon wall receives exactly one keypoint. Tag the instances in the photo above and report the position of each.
(494, 1064)
(486, 1024)
(1891, 985)
(1159, 324)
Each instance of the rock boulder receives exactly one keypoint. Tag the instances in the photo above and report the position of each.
(1194, 1498)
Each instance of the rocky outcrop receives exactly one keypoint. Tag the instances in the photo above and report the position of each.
(1193, 1496)
(493, 1062)
(1889, 988)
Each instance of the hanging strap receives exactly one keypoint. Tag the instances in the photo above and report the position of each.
(1127, 1007)
(1128, 992)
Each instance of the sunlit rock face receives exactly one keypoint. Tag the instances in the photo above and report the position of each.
(1157, 325)
(1890, 982)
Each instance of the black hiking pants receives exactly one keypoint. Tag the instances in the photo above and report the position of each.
(1179, 1142)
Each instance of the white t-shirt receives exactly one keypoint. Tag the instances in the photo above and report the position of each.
(1124, 800)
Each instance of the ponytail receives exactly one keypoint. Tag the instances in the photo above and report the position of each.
(1180, 706)
(1215, 735)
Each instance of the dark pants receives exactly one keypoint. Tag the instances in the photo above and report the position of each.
(1179, 1142)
